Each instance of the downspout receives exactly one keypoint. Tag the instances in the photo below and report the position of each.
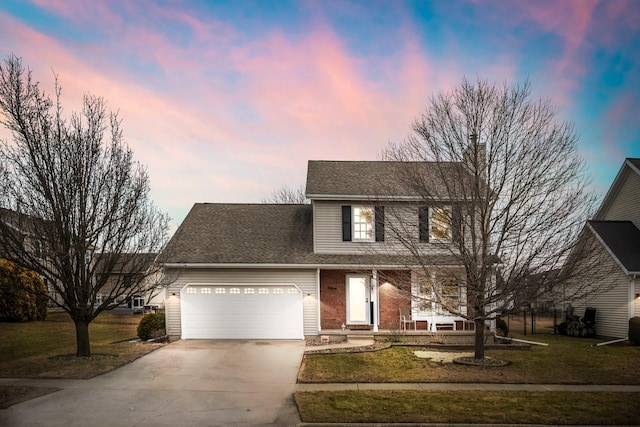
(609, 342)
(318, 328)
(375, 300)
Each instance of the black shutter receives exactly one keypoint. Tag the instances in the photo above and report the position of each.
(423, 223)
(346, 223)
(456, 223)
(379, 223)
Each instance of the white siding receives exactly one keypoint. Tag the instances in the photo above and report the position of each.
(636, 300)
(625, 205)
(400, 220)
(612, 304)
(304, 279)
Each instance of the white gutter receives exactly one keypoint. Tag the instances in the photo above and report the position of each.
(302, 266)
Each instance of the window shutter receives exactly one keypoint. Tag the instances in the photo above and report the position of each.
(379, 223)
(423, 223)
(346, 223)
(456, 223)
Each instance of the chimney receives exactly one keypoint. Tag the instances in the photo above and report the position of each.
(475, 156)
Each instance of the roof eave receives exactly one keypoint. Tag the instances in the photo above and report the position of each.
(360, 197)
(615, 186)
(610, 252)
(295, 266)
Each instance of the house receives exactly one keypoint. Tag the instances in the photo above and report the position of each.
(615, 229)
(258, 271)
(133, 279)
(25, 229)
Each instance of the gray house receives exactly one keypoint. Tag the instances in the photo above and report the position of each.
(616, 231)
(276, 271)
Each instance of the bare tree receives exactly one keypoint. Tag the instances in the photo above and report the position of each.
(76, 205)
(510, 197)
(287, 195)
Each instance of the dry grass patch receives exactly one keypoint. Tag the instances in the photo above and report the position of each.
(46, 349)
(565, 361)
(469, 407)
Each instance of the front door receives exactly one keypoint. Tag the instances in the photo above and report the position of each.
(358, 300)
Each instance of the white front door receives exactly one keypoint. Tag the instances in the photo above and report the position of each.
(358, 300)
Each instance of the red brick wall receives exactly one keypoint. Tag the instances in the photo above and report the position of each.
(333, 300)
(395, 292)
(393, 295)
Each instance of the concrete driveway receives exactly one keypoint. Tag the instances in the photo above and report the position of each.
(186, 383)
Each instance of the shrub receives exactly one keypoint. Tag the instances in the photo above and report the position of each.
(151, 326)
(634, 330)
(502, 328)
(23, 294)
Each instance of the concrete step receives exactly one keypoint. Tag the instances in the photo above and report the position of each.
(360, 338)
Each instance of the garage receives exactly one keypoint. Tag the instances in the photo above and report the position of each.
(246, 311)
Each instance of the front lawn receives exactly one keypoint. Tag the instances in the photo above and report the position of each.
(46, 349)
(565, 361)
(468, 407)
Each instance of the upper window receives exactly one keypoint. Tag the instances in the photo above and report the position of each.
(440, 224)
(435, 223)
(363, 220)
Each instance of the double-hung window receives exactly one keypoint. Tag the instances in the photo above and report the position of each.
(441, 295)
(435, 223)
(363, 223)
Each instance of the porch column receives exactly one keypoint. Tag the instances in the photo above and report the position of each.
(374, 299)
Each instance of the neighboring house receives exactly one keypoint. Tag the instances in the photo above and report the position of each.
(25, 229)
(616, 231)
(290, 271)
(127, 273)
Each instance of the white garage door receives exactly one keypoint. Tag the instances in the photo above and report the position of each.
(241, 312)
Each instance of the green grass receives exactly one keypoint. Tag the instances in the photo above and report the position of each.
(468, 407)
(565, 361)
(45, 349)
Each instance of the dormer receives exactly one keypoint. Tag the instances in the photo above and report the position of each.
(357, 204)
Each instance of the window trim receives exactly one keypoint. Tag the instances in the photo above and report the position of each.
(426, 224)
(427, 301)
(371, 224)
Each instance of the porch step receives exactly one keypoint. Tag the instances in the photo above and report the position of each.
(360, 339)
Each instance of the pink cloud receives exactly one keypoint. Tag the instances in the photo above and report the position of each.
(570, 20)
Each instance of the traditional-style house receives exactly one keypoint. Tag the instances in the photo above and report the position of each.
(293, 271)
(616, 230)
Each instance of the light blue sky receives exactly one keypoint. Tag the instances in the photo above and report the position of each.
(225, 101)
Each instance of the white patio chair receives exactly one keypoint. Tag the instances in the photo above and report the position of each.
(405, 317)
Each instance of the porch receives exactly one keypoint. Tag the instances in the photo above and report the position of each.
(423, 336)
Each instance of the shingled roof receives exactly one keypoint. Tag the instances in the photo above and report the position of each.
(259, 234)
(634, 162)
(380, 179)
(622, 238)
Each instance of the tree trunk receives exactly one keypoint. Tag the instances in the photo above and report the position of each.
(83, 347)
(479, 339)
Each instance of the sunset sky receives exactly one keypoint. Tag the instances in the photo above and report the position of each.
(225, 101)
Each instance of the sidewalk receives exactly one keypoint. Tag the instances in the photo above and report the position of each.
(465, 386)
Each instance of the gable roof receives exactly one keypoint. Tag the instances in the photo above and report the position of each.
(361, 180)
(622, 241)
(630, 165)
(634, 162)
(269, 235)
(242, 233)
